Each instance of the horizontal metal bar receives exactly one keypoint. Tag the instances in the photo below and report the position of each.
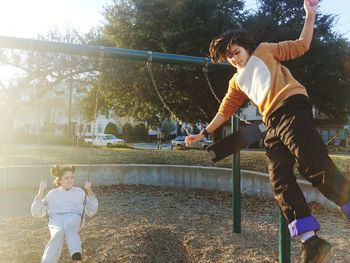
(95, 51)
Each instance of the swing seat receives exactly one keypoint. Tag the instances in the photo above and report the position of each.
(236, 141)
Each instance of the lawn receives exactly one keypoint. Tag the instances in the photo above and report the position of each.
(53, 154)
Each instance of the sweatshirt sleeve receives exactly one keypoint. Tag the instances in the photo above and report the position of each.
(38, 208)
(91, 205)
(233, 99)
(286, 50)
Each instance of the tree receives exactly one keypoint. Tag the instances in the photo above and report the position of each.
(323, 70)
(128, 131)
(186, 27)
(42, 74)
(141, 132)
(111, 128)
(166, 128)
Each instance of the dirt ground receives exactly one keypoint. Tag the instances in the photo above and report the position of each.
(151, 224)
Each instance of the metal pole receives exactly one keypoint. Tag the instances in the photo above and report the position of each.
(236, 184)
(70, 97)
(283, 239)
(94, 51)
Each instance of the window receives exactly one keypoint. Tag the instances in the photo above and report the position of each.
(99, 129)
(89, 128)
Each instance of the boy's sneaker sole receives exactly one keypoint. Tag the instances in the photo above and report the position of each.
(323, 254)
(324, 258)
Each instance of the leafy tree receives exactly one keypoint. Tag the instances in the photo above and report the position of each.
(186, 27)
(166, 128)
(323, 70)
(179, 27)
(111, 128)
(128, 131)
(42, 73)
(141, 132)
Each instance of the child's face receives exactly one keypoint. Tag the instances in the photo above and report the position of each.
(237, 56)
(67, 180)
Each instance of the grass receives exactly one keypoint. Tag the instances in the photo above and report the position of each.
(53, 154)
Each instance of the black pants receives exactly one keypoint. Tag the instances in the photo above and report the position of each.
(292, 138)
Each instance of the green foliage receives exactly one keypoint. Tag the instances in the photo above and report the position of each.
(324, 69)
(23, 137)
(187, 27)
(179, 27)
(166, 128)
(128, 131)
(123, 145)
(52, 138)
(111, 128)
(140, 132)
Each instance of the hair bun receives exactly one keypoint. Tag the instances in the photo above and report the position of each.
(72, 167)
(56, 170)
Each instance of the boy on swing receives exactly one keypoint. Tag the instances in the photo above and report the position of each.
(291, 135)
(65, 207)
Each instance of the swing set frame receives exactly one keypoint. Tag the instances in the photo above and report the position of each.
(163, 58)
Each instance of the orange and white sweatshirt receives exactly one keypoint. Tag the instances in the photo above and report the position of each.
(264, 80)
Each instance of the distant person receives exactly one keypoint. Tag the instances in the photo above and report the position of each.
(65, 207)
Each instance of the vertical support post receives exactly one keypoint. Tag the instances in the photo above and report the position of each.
(7, 177)
(70, 96)
(283, 239)
(236, 184)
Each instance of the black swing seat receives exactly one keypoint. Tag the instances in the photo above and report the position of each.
(236, 141)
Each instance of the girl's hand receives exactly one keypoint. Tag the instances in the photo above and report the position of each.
(42, 188)
(189, 140)
(87, 187)
(310, 6)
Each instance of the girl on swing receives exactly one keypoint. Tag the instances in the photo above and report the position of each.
(65, 207)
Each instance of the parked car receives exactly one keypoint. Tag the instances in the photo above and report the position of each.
(180, 143)
(104, 140)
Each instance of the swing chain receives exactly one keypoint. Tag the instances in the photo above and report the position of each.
(205, 71)
(149, 67)
(101, 60)
(36, 106)
(206, 75)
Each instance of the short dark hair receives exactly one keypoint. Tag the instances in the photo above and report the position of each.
(219, 44)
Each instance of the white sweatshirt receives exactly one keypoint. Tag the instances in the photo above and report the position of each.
(62, 201)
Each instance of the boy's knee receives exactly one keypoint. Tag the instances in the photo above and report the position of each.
(316, 179)
(320, 172)
(281, 183)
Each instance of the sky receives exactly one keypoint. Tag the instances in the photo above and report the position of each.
(28, 18)
(336, 7)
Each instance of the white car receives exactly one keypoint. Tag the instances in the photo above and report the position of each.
(180, 143)
(105, 140)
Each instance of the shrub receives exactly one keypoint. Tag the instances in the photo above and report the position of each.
(140, 132)
(111, 128)
(128, 132)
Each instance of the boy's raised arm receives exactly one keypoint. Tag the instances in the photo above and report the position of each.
(310, 7)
